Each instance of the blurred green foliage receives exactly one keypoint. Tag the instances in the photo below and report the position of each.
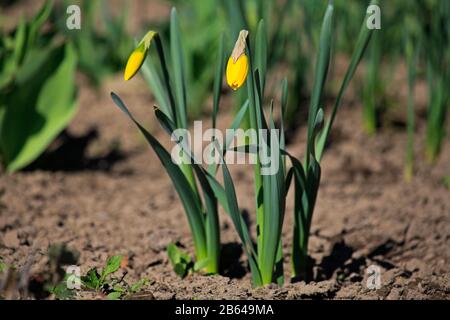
(102, 47)
(427, 24)
(38, 62)
(37, 88)
(293, 40)
(102, 44)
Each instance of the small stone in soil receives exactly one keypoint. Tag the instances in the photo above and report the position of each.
(11, 239)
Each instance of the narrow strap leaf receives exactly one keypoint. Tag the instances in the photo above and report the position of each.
(178, 69)
(321, 72)
(364, 37)
(218, 80)
(184, 190)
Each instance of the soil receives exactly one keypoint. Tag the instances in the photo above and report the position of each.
(102, 192)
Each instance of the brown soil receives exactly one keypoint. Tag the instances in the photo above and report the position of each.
(101, 191)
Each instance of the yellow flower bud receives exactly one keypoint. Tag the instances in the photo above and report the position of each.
(137, 57)
(237, 72)
(134, 63)
(237, 67)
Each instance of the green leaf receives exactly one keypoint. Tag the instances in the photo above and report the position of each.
(200, 265)
(40, 110)
(174, 254)
(236, 16)
(211, 219)
(184, 189)
(274, 200)
(181, 269)
(91, 280)
(38, 21)
(166, 77)
(180, 261)
(20, 42)
(321, 72)
(212, 226)
(135, 288)
(166, 123)
(154, 81)
(115, 295)
(218, 80)
(261, 53)
(317, 128)
(3, 266)
(229, 138)
(239, 223)
(361, 45)
(284, 97)
(61, 292)
(112, 265)
(119, 288)
(178, 69)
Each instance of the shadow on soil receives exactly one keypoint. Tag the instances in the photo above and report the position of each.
(341, 265)
(69, 154)
(231, 265)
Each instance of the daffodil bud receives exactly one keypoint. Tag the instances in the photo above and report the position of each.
(237, 67)
(137, 57)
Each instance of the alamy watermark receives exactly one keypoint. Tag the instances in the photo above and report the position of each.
(236, 146)
(373, 277)
(374, 20)
(73, 278)
(73, 21)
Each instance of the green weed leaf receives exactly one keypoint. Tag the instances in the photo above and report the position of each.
(112, 265)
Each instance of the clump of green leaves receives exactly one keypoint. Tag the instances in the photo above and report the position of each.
(104, 282)
(307, 177)
(437, 42)
(266, 259)
(182, 262)
(101, 282)
(169, 86)
(201, 24)
(95, 281)
(37, 90)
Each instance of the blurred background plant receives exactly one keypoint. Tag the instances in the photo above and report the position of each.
(411, 55)
(291, 31)
(201, 23)
(292, 40)
(37, 86)
(102, 44)
(39, 59)
(435, 22)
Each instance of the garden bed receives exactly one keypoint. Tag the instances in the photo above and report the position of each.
(102, 192)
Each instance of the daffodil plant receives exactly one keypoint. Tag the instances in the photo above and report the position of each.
(168, 85)
(266, 260)
(171, 93)
(244, 68)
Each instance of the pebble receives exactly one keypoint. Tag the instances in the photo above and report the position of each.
(11, 240)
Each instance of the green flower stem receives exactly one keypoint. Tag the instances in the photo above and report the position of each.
(257, 167)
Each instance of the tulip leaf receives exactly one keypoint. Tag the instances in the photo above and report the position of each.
(36, 115)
